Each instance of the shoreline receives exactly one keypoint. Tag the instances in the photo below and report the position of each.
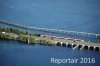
(16, 34)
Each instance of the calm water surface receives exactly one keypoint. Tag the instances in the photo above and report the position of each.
(76, 15)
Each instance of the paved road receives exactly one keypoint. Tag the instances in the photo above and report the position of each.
(55, 40)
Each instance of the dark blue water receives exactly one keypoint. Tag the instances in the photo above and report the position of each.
(76, 15)
(13, 53)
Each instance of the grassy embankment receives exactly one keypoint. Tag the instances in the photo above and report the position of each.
(15, 34)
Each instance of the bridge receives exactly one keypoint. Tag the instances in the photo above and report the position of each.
(46, 29)
(57, 41)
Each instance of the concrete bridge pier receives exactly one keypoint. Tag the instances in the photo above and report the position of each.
(82, 47)
(61, 44)
(69, 45)
(64, 44)
(97, 48)
(75, 47)
(92, 47)
(88, 47)
(72, 45)
(58, 43)
(85, 47)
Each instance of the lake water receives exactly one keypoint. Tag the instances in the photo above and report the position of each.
(76, 15)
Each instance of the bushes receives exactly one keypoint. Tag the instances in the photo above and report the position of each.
(17, 31)
(2, 36)
(11, 33)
